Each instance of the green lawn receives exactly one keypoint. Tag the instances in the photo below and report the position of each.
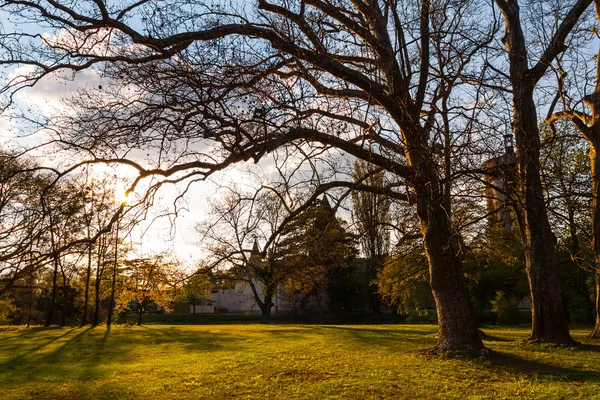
(284, 362)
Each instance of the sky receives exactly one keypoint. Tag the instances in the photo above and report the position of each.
(156, 233)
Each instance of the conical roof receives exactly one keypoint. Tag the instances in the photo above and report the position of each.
(325, 202)
(255, 248)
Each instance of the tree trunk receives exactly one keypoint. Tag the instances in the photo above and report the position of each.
(140, 312)
(596, 332)
(265, 308)
(194, 308)
(53, 300)
(87, 286)
(114, 279)
(549, 320)
(595, 167)
(457, 322)
(65, 300)
(30, 302)
(97, 284)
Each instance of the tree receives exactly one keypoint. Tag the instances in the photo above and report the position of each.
(20, 212)
(315, 249)
(61, 206)
(196, 289)
(550, 323)
(587, 122)
(372, 213)
(357, 76)
(148, 283)
(7, 308)
(567, 181)
(236, 220)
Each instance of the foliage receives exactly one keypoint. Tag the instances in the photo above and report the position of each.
(496, 263)
(421, 317)
(314, 246)
(7, 309)
(148, 285)
(506, 309)
(403, 281)
(195, 289)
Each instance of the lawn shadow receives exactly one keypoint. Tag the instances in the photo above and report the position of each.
(389, 338)
(516, 365)
(588, 347)
(197, 341)
(491, 338)
(47, 341)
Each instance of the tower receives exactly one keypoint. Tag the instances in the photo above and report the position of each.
(500, 171)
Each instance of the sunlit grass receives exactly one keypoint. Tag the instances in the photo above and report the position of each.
(284, 361)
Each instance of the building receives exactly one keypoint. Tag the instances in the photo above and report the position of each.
(500, 172)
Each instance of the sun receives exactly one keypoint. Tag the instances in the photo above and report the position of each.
(121, 195)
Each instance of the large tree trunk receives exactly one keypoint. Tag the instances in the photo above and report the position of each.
(595, 166)
(65, 300)
(265, 318)
(549, 319)
(457, 322)
(30, 300)
(596, 332)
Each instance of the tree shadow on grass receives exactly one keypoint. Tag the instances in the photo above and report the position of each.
(588, 347)
(518, 366)
(27, 332)
(22, 356)
(192, 340)
(491, 338)
(40, 329)
(390, 338)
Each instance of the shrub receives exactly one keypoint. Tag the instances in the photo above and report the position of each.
(422, 317)
(506, 309)
(7, 309)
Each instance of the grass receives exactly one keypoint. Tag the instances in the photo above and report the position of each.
(284, 361)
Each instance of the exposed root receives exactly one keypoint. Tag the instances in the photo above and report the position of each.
(468, 352)
(551, 344)
(595, 335)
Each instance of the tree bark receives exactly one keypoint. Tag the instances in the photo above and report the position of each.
(87, 286)
(114, 278)
(53, 300)
(266, 312)
(140, 312)
(596, 332)
(30, 300)
(549, 319)
(457, 322)
(96, 319)
(595, 166)
(65, 301)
